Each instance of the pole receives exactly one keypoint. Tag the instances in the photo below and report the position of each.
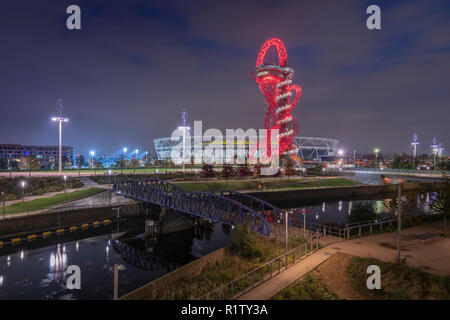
(116, 281)
(286, 230)
(3, 203)
(60, 146)
(304, 224)
(117, 267)
(399, 223)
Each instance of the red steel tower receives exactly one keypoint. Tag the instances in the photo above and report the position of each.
(275, 82)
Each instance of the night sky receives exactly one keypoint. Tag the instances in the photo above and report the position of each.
(128, 73)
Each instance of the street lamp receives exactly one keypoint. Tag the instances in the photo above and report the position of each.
(60, 120)
(117, 267)
(123, 160)
(65, 178)
(92, 162)
(22, 184)
(136, 159)
(145, 163)
(376, 157)
(3, 202)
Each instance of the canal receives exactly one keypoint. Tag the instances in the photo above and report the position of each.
(37, 270)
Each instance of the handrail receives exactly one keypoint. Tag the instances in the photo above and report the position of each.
(252, 273)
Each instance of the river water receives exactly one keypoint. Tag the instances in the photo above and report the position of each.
(37, 270)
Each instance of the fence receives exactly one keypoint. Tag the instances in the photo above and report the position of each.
(360, 228)
(268, 270)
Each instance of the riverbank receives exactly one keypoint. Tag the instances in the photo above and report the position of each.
(313, 195)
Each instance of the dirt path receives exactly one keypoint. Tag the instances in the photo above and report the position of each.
(333, 275)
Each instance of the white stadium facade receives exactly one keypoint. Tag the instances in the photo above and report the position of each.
(309, 148)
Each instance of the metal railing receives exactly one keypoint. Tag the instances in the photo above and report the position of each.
(263, 273)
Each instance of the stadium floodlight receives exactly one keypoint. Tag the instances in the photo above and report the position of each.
(60, 120)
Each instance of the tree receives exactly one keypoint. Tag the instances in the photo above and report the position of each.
(408, 202)
(244, 171)
(133, 164)
(362, 212)
(30, 164)
(121, 163)
(227, 172)
(207, 171)
(441, 204)
(257, 170)
(289, 169)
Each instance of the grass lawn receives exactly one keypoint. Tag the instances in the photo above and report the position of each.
(267, 185)
(43, 203)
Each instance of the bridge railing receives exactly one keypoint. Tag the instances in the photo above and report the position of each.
(263, 273)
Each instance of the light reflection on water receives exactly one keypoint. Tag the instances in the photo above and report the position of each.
(39, 272)
(338, 211)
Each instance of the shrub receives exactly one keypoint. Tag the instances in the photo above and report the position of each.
(245, 243)
(362, 212)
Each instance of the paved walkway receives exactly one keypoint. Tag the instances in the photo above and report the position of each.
(87, 184)
(432, 256)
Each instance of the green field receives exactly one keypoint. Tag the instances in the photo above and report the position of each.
(266, 184)
(44, 203)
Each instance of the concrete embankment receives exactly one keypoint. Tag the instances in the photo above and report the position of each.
(158, 287)
(61, 219)
(305, 196)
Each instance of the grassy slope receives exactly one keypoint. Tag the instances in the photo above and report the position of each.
(398, 281)
(47, 202)
(267, 185)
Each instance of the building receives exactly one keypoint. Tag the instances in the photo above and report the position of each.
(48, 155)
(309, 148)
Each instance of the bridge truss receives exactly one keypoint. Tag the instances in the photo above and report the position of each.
(228, 207)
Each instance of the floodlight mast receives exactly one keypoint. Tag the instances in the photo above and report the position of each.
(60, 120)
(414, 144)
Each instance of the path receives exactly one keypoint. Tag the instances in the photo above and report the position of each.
(432, 256)
(87, 184)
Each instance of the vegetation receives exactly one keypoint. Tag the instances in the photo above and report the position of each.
(362, 212)
(289, 169)
(227, 172)
(308, 288)
(266, 184)
(35, 186)
(44, 203)
(207, 171)
(398, 281)
(247, 252)
(244, 244)
(441, 204)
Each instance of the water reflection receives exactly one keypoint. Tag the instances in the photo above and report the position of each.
(337, 212)
(38, 270)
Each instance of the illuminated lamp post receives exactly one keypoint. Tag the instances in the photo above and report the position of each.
(3, 204)
(22, 184)
(145, 163)
(376, 157)
(134, 164)
(124, 153)
(60, 120)
(92, 162)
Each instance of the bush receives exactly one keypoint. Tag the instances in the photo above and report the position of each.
(362, 212)
(245, 243)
